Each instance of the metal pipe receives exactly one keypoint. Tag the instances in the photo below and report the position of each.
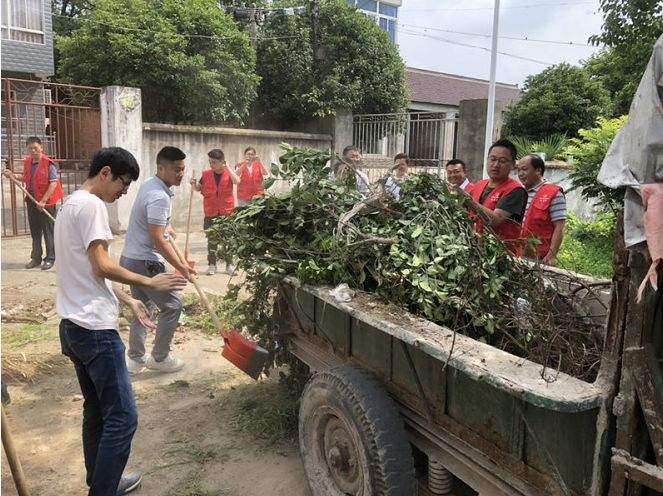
(490, 116)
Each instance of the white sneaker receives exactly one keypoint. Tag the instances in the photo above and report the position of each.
(168, 365)
(230, 269)
(211, 270)
(135, 366)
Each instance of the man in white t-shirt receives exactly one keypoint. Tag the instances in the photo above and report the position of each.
(88, 305)
(352, 163)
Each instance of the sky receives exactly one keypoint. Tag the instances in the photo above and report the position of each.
(424, 24)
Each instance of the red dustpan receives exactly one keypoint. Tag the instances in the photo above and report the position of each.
(242, 352)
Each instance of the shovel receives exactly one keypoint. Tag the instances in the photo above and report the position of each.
(243, 353)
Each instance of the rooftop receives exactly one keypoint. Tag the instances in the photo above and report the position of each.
(449, 89)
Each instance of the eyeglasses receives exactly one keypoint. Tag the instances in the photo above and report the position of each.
(125, 182)
(499, 160)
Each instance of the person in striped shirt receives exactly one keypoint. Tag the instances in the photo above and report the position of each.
(545, 214)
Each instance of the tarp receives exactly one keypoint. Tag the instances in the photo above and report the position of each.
(635, 161)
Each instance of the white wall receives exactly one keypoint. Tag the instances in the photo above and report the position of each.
(196, 141)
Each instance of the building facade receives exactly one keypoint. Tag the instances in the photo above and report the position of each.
(27, 39)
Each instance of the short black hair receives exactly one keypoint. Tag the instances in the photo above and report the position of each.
(249, 148)
(537, 162)
(120, 161)
(170, 154)
(32, 139)
(216, 154)
(400, 156)
(350, 148)
(505, 143)
(456, 161)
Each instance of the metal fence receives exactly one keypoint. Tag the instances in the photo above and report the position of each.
(67, 120)
(428, 138)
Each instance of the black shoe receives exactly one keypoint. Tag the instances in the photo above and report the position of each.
(32, 264)
(128, 483)
(46, 265)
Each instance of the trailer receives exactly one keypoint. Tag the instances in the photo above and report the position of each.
(398, 405)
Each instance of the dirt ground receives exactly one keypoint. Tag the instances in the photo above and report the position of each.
(208, 430)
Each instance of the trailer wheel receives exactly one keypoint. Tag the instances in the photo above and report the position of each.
(351, 437)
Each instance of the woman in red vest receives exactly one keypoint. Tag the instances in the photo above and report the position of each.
(545, 216)
(216, 186)
(251, 174)
(41, 180)
(499, 198)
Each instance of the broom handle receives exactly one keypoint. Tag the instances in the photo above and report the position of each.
(12, 458)
(201, 293)
(188, 219)
(20, 186)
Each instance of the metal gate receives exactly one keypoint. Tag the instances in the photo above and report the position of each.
(428, 138)
(65, 118)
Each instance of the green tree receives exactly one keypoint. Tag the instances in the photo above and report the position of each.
(630, 29)
(588, 152)
(356, 68)
(559, 100)
(190, 60)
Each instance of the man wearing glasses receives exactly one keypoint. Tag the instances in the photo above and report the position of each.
(499, 199)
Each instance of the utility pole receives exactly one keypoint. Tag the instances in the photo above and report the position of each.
(253, 26)
(490, 117)
(315, 29)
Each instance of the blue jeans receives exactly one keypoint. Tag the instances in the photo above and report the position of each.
(109, 410)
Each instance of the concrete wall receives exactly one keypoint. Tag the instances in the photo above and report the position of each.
(196, 141)
(20, 58)
(472, 133)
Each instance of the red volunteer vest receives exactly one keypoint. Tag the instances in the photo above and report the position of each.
(217, 199)
(468, 187)
(40, 181)
(537, 218)
(509, 230)
(250, 182)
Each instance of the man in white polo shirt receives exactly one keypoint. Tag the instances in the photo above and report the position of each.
(88, 305)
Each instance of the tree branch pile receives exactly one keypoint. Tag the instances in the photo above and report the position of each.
(421, 252)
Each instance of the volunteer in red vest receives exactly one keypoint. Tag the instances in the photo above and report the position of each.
(216, 186)
(41, 180)
(251, 176)
(457, 174)
(545, 215)
(500, 199)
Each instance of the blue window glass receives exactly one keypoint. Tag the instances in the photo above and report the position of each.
(351, 2)
(388, 10)
(388, 26)
(368, 5)
(384, 24)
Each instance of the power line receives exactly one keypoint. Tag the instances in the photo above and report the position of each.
(185, 35)
(468, 45)
(525, 38)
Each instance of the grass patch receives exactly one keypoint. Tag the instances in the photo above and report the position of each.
(193, 486)
(266, 411)
(197, 318)
(588, 246)
(192, 452)
(16, 336)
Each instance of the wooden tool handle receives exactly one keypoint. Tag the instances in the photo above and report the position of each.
(12, 458)
(25, 191)
(201, 293)
(188, 220)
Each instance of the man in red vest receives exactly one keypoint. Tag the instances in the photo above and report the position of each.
(500, 199)
(41, 180)
(457, 174)
(251, 174)
(545, 215)
(216, 186)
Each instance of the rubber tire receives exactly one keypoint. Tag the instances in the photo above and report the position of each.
(366, 407)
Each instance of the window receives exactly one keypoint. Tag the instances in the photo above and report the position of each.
(23, 20)
(384, 14)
